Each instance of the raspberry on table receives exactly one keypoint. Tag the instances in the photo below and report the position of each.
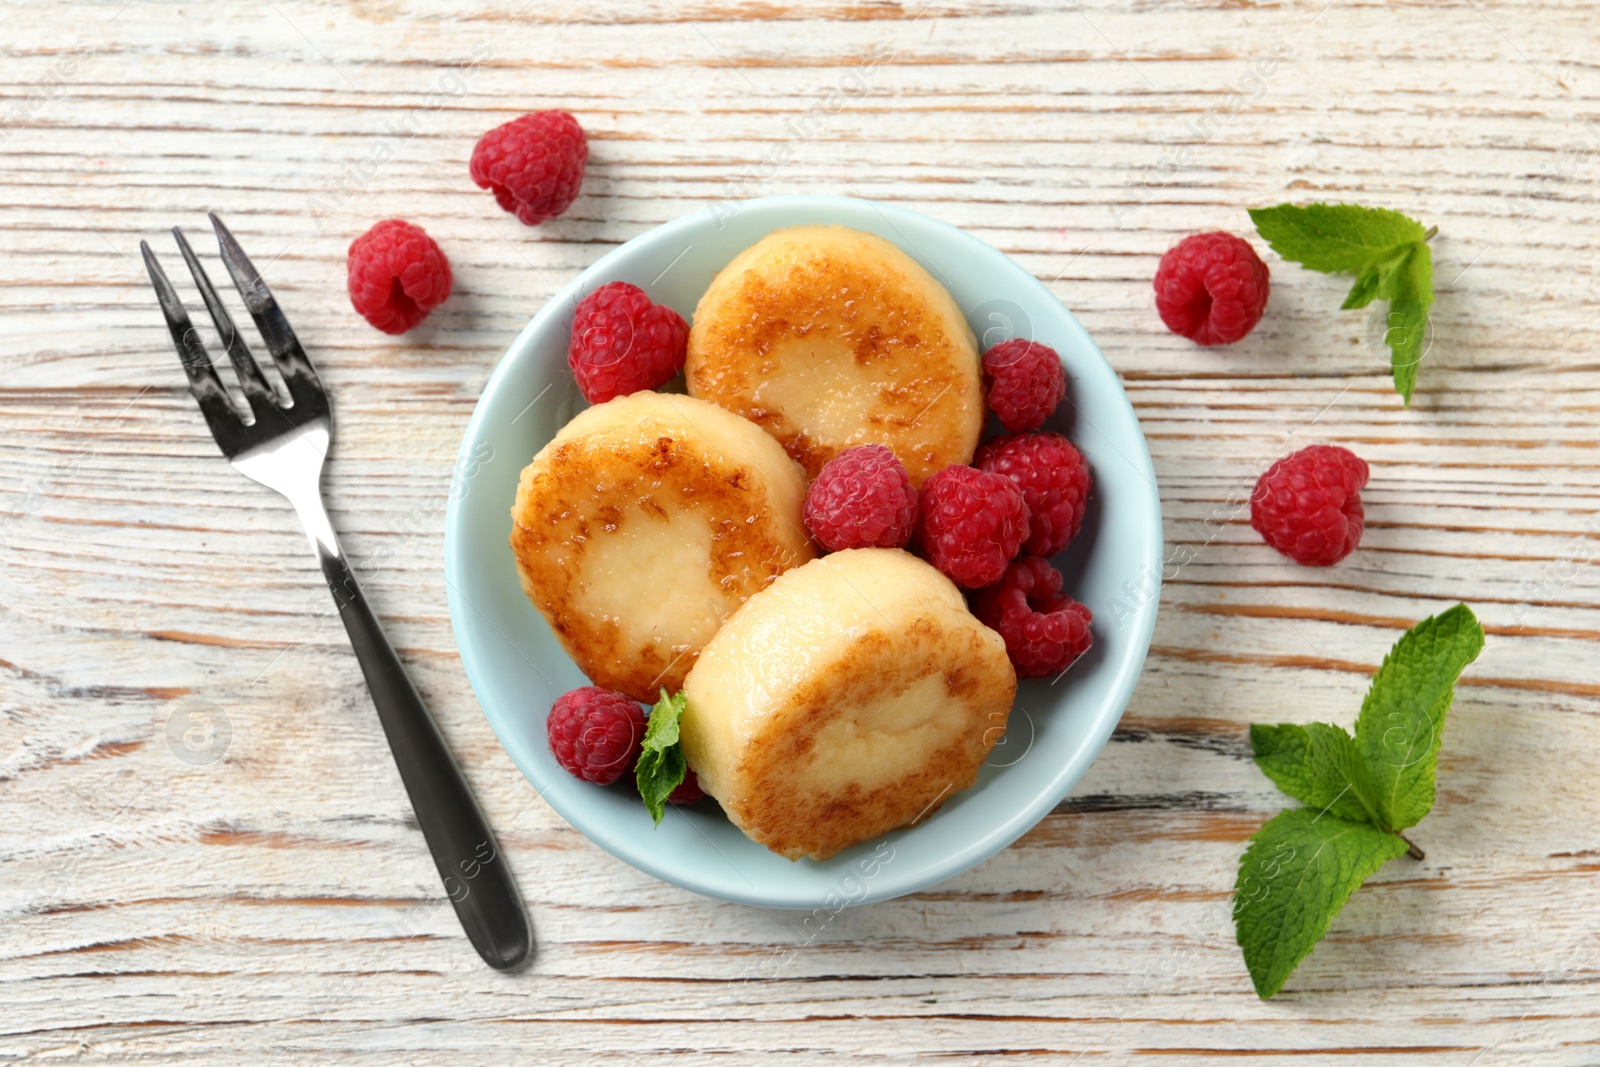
(397, 274)
(1044, 631)
(533, 164)
(1025, 382)
(972, 524)
(1054, 480)
(1211, 288)
(862, 498)
(1308, 505)
(595, 734)
(688, 790)
(622, 343)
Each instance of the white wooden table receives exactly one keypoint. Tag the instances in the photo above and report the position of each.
(276, 905)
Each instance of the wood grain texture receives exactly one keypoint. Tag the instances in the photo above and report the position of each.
(278, 906)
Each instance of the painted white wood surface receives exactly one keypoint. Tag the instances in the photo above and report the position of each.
(277, 906)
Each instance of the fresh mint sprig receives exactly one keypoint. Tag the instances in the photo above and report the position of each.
(1360, 792)
(1386, 251)
(662, 766)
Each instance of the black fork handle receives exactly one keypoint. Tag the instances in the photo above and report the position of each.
(476, 876)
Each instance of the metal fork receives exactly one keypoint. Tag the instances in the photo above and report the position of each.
(282, 446)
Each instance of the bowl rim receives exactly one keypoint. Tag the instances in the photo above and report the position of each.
(892, 881)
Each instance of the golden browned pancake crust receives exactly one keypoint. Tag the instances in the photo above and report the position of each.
(855, 695)
(828, 337)
(636, 536)
(793, 821)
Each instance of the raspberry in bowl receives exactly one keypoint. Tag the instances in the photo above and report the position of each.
(518, 667)
(594, 733)
(862, 498)
(1045, 631)
(1054, 481)
(1025, 383)
(622, 342)
(972, 524)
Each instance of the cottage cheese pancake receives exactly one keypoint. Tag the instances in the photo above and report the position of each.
(854, 695)
(643, 524)
(828, 337)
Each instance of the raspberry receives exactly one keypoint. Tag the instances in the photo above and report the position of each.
(972, 524)
(1211, 288)
(397, 275)
(861, 498)
(595, 734)
(1025, 383)
(1054, 481)
(1044, 631)
(688, 790)
(1307, 505)
(622, 343)
(534, 164)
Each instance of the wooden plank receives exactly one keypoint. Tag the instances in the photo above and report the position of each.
(278, 906)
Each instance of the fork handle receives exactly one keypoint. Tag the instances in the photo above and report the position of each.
(476, 876)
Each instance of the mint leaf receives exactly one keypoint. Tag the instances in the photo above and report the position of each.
(1378, 281)
(1402, 718)
(1297, 873)
(1411, 294)
(1363, 292)
(1302, 866)
(1335, 238)
(1386, 251)
(1389, 271)
(1317, 764)
(662, 766)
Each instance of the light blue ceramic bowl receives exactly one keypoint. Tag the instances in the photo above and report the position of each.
(517, 667)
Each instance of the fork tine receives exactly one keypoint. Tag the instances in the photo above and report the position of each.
(226, 426)
(298, 373)
(256, 390)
